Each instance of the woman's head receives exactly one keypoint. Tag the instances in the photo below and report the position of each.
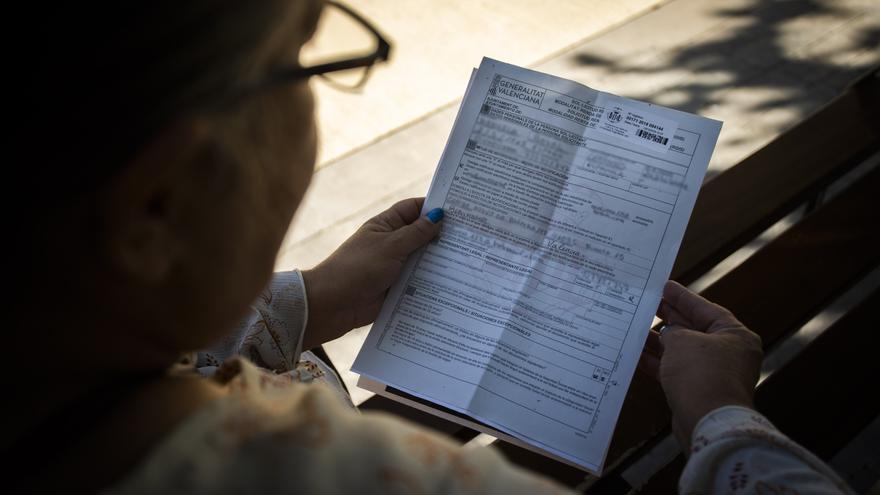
(157, 204)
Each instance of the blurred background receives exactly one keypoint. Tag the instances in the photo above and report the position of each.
(759, 66)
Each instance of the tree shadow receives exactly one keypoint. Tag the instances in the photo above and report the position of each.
(792, 55)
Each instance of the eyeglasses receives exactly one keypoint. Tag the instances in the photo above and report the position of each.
(341, 30)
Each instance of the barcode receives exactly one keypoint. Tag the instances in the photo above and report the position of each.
(653, 137)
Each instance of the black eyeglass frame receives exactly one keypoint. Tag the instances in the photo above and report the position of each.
(381, 54)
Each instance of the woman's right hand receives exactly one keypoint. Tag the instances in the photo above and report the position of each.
(709, 359)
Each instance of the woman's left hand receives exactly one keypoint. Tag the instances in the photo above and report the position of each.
(347, 289)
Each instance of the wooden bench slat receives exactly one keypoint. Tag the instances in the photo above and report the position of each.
(781, 286)
(666, 480)
(825, 396)
(750, 197)
(544, 466)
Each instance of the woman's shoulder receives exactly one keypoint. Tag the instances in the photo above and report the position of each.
(271, 432)
(233, 417)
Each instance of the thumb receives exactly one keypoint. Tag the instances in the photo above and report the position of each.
(410, 237)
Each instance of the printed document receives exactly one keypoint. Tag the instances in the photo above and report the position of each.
(565, 207)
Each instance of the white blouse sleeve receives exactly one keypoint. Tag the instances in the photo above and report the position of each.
(737, 450)
(271, 334)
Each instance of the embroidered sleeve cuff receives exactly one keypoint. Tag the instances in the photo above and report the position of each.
(735, 449)
(273, 338)
(727, 418)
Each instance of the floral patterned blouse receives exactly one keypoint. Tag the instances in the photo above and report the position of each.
(288, 426)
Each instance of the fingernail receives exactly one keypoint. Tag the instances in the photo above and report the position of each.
(435, 215)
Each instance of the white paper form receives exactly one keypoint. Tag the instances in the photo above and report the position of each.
(565, 207)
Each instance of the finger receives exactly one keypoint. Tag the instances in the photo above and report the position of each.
(402, 213)
(410, 237)
(701, 313)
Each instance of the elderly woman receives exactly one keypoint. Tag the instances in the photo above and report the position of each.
(162, 149)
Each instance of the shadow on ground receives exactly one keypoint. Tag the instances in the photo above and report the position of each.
(796, 54)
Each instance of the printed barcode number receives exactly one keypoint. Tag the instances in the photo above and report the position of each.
(653, 137)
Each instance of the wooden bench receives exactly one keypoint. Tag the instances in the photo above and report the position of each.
(774, 291)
